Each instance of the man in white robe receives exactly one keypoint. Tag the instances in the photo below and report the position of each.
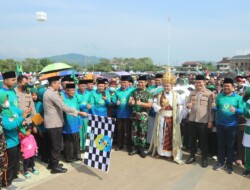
(166, 139)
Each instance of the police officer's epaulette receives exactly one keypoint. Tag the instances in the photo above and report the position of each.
(193, 93)
(207, 92)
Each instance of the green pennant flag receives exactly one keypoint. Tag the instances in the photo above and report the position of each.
(74, 76)
(17, 69)
(21, 68)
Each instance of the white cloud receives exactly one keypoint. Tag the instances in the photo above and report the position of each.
(242, 52)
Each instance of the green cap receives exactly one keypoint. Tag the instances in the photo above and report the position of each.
(34, 90)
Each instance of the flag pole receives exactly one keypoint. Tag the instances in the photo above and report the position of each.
(169, 30)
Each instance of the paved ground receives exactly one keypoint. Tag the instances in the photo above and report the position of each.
(136, 173)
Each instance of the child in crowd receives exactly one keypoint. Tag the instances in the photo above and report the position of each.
(29, 150)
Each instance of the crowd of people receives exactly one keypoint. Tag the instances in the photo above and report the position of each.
(160, 115)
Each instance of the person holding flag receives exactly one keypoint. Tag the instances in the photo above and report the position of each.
(100, 99)
(83, 98)
(53, 121)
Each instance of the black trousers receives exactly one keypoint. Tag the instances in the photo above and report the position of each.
(12, 165)
(28, 163)
(213, 144)
(227, 137)
(184, 133)
(124, 132)
(43, 146)
(240, 148)
(71, 146)
(55, 140)
(198, 131)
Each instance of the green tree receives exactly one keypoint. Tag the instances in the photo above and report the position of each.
(208, 65)
(103, 66)
(76, 67)
(7, 65)
(45, 61)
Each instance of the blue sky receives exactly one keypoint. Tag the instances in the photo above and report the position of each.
(200, 29)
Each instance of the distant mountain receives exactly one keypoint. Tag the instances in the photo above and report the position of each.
(76, 59)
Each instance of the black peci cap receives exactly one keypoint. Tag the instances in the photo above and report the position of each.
(228, 80)
(52, 79)
(105, 80)
(157, 76)
(9, 74)
(125, 77)
(67, 78)
(101, 81)
(200, 77)
(143, 77)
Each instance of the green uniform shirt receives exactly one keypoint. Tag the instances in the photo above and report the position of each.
(83, 99)
(11, 96)
(144, 96)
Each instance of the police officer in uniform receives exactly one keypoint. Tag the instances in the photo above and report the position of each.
(200, 119)
(53, 120)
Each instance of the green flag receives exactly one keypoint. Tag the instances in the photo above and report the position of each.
(17, 69)
(21, 68)
(74, 76)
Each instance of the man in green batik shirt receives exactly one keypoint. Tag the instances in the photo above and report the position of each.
(141, 100)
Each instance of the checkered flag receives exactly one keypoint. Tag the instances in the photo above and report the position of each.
(99, 141)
